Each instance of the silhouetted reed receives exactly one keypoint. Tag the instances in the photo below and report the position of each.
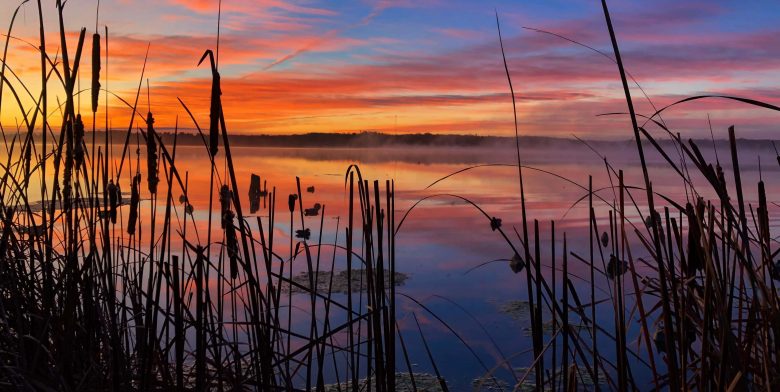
(92, 301)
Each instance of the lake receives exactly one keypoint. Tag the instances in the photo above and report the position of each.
(443, 241)
(457, 267)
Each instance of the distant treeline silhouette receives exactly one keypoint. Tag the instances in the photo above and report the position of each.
(378, 139)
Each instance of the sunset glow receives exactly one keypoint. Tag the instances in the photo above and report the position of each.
(416, 66)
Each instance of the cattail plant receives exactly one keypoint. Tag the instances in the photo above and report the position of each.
(152, 178)
(232, 242)
(95, 71)
(68, 171)
(215, 111)
(135, 201)
(85, 306)
(113, 201)
(225, 198)
(78, 142)
(254, 194)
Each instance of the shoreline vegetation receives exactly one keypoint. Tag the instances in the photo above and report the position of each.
(100, 294)
(369, 139)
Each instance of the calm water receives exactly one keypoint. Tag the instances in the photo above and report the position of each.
(443, 239)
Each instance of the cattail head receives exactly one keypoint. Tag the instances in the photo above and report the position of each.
(314, 211)
(215, 111)
(214, 114)
(8, 219)
(135, 200)
(654, 218)
(200, 260)
(774, 270)
(616, 267)
(188, 209)
(151, 154)
(695, 259)
(291, 202)
(95, 71)
(495, 223)
(721, 177)
(232, 242)
(604, 239)
(303, 234)
(112, 200)
(78, 142)
(225, 198)
(254, 194)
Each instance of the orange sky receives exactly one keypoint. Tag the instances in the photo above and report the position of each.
(402, 66)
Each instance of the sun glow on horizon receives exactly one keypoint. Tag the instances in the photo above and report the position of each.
(292, 67)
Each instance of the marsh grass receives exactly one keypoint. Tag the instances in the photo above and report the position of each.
(94, 295)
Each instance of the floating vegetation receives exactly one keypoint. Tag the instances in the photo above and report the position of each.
(314, 211)
(489, 384)
(423, 382)
(340, 282)
(549, 327)
(584, 378)
(517, 310)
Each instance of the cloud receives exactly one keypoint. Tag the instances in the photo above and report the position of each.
(212, 6)
(370, 78)
(329, 35)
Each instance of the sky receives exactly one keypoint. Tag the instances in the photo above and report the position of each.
(403, 66)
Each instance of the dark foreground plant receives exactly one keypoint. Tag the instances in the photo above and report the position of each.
(96, 294)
